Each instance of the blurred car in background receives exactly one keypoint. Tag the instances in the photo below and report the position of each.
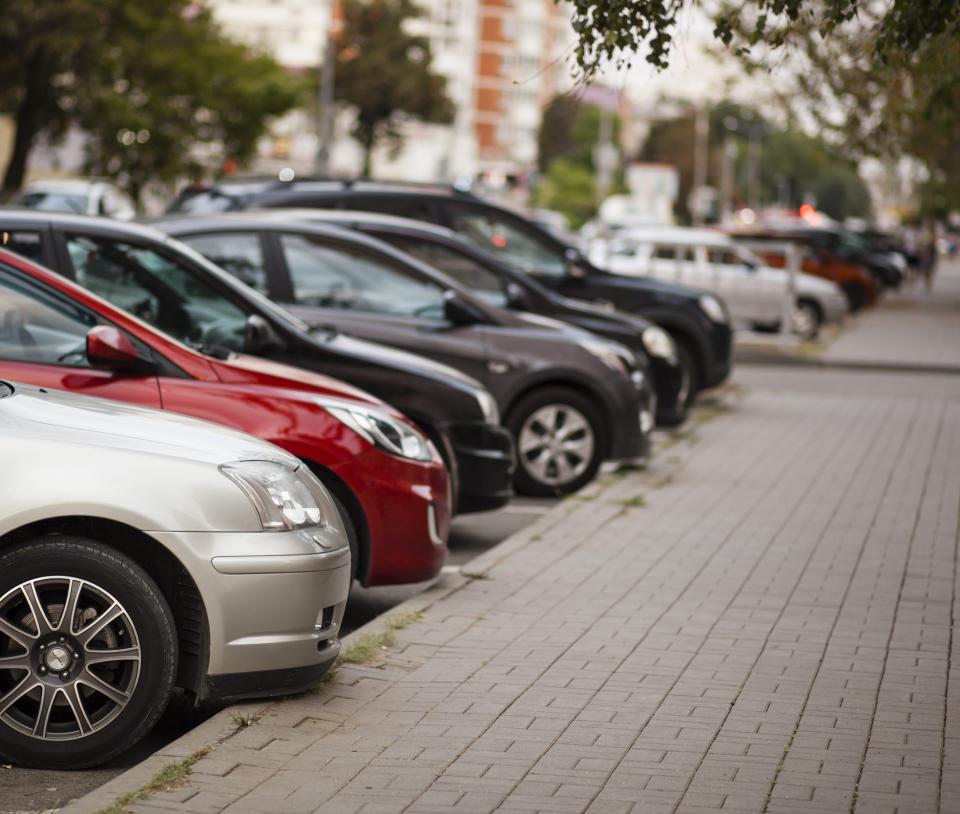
(79, 197)
(711, 261)
(503, 286)
(571, 399)
(177, 290)
(388, 480)
(697, 322)
(857, 285)
(143, 550)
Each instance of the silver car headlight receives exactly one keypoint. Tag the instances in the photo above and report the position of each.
(606, 353)
(713, 308)
(488, 405)
(658, 343)
(283, 499)
(380, 429)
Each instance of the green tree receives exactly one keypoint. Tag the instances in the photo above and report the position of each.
(153, 83)
(45, 48)
(385, 73)
(617, 30)
(570, 129)
(571, 188)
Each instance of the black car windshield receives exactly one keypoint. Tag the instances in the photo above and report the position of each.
(510, 238)
(160, 290)
(205, 202)
(54, 202)
(254, 297)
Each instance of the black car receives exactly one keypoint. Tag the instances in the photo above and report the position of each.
(697, 321)
(505, 287)
(570, 399)
(180, 292)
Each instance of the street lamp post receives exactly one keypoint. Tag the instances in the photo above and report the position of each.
(325, 88)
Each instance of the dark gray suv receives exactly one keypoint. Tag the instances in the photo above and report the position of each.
(570, 398)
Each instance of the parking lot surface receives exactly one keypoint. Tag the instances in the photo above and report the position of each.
(760, 621)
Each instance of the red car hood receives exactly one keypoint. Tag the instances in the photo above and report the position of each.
(240, 368)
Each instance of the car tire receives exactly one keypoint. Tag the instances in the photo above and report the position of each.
(856, 296)
(547, 415)
(690, 370)
(352, 537)
(99, 581)
(806, 319)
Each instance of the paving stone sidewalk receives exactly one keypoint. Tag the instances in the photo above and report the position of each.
(762, 621)
(910, 328)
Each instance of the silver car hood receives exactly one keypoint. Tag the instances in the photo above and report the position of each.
(55, 415)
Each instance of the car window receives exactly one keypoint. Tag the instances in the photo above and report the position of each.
(461, 267)
(332, 276)
(25, 243)
(517, 243)
(404, 207)
(166, 293)
(35, 327)
(724, 255)
(665, 253)
(240, 254)
(53, 202)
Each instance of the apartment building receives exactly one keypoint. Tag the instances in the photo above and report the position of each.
(503, 60)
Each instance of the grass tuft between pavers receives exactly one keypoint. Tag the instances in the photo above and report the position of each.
(368, 647)
(168, 778)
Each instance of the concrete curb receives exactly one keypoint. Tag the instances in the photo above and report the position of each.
(754, 356)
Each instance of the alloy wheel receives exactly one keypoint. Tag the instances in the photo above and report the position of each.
(556, 444)
(69, 658)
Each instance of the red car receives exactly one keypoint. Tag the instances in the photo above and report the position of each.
(388, 478)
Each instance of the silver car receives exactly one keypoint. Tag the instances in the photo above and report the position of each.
(142, 550)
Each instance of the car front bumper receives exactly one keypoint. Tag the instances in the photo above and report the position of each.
(273, 602)
(719, 361)
(633, 418)
(485, 460)
(667, 381)
(407, 511)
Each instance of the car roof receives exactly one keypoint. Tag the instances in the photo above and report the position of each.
(38, 218)
(73, 185)
(336, 217)
(675, 234)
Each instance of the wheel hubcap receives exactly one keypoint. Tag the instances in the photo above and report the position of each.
(556, 444)
(803, 320)
(69, 658)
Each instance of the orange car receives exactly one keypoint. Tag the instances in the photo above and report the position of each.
(858, 286)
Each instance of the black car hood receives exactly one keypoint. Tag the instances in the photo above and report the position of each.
(344, 344)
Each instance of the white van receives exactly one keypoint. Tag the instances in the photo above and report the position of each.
(709, 260)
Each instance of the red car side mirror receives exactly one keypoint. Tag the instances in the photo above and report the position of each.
(110, 348)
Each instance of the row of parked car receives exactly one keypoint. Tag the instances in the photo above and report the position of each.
(379, 358)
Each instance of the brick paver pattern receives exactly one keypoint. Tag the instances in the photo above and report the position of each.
(771, 630)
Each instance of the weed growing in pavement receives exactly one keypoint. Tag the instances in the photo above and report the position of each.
(243, 719)
(677, 436)
(402, 620)
(659, 483)
(535, 537)
(475, 574)
(635, 502)
(325, 679)
(582, 498)
(368, 648)
(171, 776)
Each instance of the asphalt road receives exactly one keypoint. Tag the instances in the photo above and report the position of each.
(30, 790)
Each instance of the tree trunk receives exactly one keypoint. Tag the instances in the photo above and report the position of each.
(368, 140)
(26, 132)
